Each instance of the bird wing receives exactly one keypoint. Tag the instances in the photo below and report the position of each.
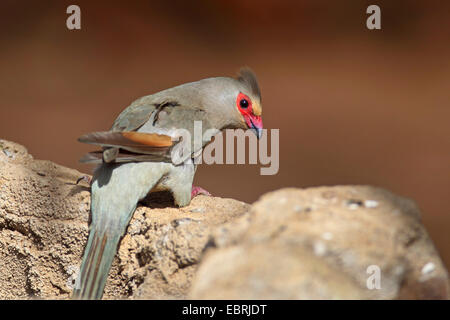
(127, 146)
(145, 131)
(133, 141)
(133, 117)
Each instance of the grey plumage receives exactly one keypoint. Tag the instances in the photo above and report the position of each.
(136, 159)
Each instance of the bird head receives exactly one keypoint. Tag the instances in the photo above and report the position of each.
(248, 101)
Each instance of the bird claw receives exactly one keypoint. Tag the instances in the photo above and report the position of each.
(86, 178)
(198, 190)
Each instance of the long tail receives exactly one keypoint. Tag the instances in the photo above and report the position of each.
(115, 192)
(98, 257)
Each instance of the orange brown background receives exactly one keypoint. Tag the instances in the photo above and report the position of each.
(353, 106)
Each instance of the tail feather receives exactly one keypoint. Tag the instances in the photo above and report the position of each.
(116, 190)
(98, 257)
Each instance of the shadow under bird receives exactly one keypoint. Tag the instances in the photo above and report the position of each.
(137, 157)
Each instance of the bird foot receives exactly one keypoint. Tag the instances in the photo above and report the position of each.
(88, 179)
(198, 190)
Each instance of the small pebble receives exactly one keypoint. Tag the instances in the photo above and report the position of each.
(298, 208)
(327, 235)
(7, 153)
(198, 210)
(371, 203)
(428, 268)
(319, 248)
(183, 221)
(354, 204)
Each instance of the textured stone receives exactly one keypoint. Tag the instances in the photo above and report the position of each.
(44, 227)
(318, 243)
(315, 243)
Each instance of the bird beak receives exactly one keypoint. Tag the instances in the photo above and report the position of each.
(255, 124)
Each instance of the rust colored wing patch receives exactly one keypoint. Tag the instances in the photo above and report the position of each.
(148, 139)
(126, 139)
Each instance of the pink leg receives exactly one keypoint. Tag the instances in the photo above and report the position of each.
(198, 190)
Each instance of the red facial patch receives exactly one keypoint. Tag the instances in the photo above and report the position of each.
(244, 104)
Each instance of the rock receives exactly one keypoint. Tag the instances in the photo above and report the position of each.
(44, 227)
(159, 254)
(291, 244)
(323, 243)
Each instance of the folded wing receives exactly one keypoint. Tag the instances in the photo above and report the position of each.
(127, 146)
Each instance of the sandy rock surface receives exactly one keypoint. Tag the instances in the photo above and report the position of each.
(324, 243)
(312, 243)
(44, 227)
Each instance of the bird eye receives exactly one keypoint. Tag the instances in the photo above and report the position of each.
(243, 103)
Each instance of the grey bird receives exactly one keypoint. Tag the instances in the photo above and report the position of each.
(147, 150)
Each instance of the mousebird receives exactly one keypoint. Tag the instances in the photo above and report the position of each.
(147, 150)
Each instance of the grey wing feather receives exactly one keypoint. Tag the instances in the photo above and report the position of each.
(96, 157)
(133, 117)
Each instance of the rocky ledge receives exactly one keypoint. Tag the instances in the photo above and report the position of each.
(342, 242)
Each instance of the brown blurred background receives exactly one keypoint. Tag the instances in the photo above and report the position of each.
(353, 106)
